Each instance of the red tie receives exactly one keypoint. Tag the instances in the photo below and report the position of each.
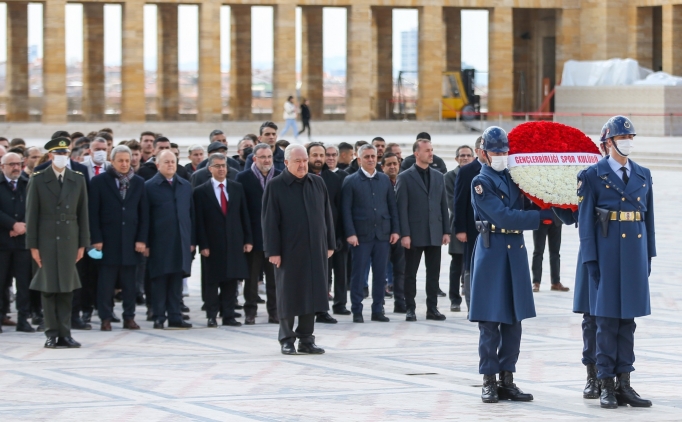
(96, 170)
(223, 199)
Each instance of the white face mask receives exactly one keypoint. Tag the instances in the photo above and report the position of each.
(498, 163)
(624, 146)
(99, 157)
(60, 161)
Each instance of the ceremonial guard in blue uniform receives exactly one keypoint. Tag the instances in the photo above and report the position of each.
(501, 292)
(617, 242)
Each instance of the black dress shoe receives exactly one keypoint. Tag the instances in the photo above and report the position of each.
(507, 390)
(118, 297)
(185, 317)
(625, 394)
(250, 320)
(591, 390)
(410, 315)
(325, 318)
(378, 316)
(182, 325)
(399, 309)
(231, 322)
(24, 326)
(150, 315)
(184, 309)
(358, 318)
(365, 292)
(273, 320)
(238, 306)
(36, 319)
(68, 342)
(260, 300)
(87, 316)
(455, 308)
(212, 323)
(114, 318)
(343, 311)
(203, 307)
(441, 293)
(139, 300)
(158, 325)
(78, 324)
(607, 399)
(41, 327)
(489, 390)
(309, 349)
(236, 315)
(51, 343)
(388, 294)
(435, 315)
(288, 348)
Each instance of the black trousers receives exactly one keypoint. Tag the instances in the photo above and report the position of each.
(257, 263)
(338, 266)
(304, 331)
(306, 124)
(223, 301)
(57, 312)
(397, 259)
(167, 297)
(85, 298)
(16, 264)
(109, 276)
(140, 270)
(456, 273)
(540, 236)
(413, 257)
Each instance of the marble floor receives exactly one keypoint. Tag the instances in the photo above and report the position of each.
(400, 371)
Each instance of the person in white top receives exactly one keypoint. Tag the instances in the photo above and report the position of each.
(289, 116)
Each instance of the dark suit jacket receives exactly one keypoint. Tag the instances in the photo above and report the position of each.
(450, 177)
(75, 166)
(190, 169)
(115, 222)
(12, 210)
(464, 212)
(223, 235)
(368, 207)
(333, 183)
(148, 170)
(254, 202)
(423, 214)
(437, 164)
(171, 226)
(202, 176)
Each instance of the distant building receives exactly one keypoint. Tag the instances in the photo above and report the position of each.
(409, 53)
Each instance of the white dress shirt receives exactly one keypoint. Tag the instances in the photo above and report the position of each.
(371, 176)
(216, 189)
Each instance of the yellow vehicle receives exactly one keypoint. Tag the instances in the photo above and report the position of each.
(458, 95)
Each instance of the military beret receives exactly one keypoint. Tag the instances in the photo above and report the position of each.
(215, 146)
(59, 144)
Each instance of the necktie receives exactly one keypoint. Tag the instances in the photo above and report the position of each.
(626, 178)
(13, 183)
(223, 199)
(97, 170)
(60, 180)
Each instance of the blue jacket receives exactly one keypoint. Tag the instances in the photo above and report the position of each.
(368, 207)
(500, 278)
(253, 193)
(622, 290)
(171, 226)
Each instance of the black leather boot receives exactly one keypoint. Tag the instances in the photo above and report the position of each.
(607, 399)
(591, 390)
(627, 395)
(509, 391)
(489, 390)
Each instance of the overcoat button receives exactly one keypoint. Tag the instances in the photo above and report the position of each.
(623, 235)
(521, 246)
(57, 237)
(639, 236)
(607, 186)
(124, 223)
(638, 198)
(622, 199)
(508, 246)
(67, 221)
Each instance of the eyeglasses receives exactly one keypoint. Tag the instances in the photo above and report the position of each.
(264, 157)
(465, 156)
(12, 164)
(219, 166)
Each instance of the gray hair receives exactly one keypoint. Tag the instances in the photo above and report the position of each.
(98, 139)
(120, 149)
(291, 148)
(365, 148)
(193, 148)
(335, 147)
(260, 147)
(215, 156)
(10, 154)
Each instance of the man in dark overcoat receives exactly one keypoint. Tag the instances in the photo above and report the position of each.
(253, 179)
(298, 235)
(57, 233)
(170, 242)
(119, 225)
(223, 233)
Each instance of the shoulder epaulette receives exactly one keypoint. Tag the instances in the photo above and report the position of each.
(77, 172)
(35, 173)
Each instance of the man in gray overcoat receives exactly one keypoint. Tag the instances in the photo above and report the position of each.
(57, 233)
(298, 238)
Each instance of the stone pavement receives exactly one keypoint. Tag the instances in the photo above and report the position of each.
(400, 371)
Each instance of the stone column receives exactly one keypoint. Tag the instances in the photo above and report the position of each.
(93, 61)
(452, 18)
(358, 58)
(284, 61)
(382, 63)
(672, 41)
(501, 63)
(167, 61)
(240, 63)
(132, 69)
(311, 60)
(641, 39)
(567, 38)
(54, 62)
(209, 103)
(431, 62)
(17, 62)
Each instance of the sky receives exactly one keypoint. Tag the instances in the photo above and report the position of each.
(474, 35)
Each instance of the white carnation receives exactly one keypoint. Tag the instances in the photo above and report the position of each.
(552, 184)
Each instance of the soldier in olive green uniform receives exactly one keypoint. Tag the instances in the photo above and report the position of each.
(57, 233)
